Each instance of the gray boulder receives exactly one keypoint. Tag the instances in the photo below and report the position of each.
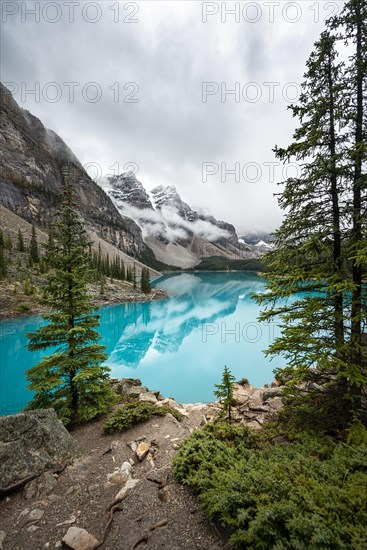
(31, 443)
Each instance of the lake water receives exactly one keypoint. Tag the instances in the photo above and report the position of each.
(178, 345)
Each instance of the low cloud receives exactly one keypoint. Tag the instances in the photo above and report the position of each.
(167, 223)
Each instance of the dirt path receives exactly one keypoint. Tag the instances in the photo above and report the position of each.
(157, 514)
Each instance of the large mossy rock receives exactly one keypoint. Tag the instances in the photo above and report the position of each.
(31, 443)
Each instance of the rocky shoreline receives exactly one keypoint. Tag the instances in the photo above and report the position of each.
(253, 407)
(116, 491)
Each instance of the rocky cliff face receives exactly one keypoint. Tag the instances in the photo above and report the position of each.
(34, 162)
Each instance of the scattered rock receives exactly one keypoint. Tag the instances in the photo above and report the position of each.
(26, 516)
(121, 475)
(22, 514)
(128, 383)
(167, 401)
(275, 404)
(158, 476)
(129, 485)
(151, 460)
(272, 392)
(133, 446)
(2, 539)
(258, 405)
(173, 419)
(32, 442)
(32, 528)
(148, 397)
(142, 451)
(43, 485)
(79, 539)
(35, 515)
(165, 494)
(69, 521)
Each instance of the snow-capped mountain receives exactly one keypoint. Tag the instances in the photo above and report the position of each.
(127, 189)
(263, 244)
(177, 234)
(256, 238)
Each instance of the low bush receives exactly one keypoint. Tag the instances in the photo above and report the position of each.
(294, 494)
(135, 412)
(22, 307)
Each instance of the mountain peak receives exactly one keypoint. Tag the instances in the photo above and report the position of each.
(126, 188)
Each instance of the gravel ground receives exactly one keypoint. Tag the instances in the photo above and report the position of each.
(82, 495)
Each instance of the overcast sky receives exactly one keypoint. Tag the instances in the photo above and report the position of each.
(143, 85)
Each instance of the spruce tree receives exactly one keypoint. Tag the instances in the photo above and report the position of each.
(313, 267)
(352, 23)
(20, 241)
(145, 285)
(134, 276)
(225, 392)
(8, 243)
(33, 246)
(71, 379)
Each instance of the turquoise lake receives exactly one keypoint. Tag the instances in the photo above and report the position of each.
(178, 345)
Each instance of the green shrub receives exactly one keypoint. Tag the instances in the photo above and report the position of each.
(135, 412)
(22, 307)
(304, 494)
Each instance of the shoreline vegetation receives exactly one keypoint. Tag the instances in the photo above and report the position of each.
(17, 303)
(115, 292)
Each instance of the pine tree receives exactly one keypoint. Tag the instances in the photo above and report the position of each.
(316, 246)
(225, 392)
(102, 288)
(27, 286)
(8, 243)
(145, 285)
(134, 276)
(99, 258)
(353, 23)
(20, 241)
(71, 380)
(33, 246)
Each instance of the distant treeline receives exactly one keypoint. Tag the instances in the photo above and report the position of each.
(218, 263)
